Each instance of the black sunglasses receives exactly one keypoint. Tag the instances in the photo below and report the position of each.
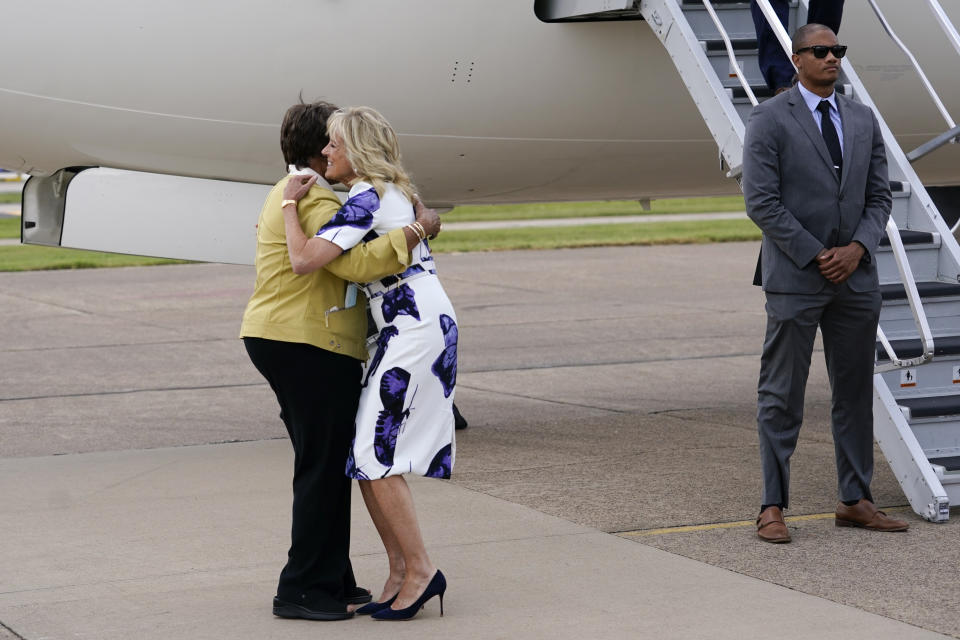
(820, 50)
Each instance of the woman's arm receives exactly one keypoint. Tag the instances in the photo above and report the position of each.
(309, 254)
(388, 254)
(306, 254)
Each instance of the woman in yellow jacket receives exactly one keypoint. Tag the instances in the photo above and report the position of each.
(306, 334)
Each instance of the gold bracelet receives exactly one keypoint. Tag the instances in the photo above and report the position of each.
(420, 230)
(286, 202)
(417, 231)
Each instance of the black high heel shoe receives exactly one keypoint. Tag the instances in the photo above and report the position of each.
(373, 607)
(437, 587)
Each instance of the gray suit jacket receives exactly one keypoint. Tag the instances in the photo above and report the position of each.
(793, 193)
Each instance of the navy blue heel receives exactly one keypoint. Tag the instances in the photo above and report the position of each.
(373, 607)
(437, 587)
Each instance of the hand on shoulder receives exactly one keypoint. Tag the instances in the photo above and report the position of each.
(297, 186)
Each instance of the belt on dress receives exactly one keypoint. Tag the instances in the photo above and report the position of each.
(379, 287)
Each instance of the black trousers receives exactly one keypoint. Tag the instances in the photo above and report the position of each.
(777, 69)
(318, 392)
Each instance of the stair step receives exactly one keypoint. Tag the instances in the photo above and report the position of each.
(695, 4)
(931, 406)
(951, 463)
(899, 188)
(759, 91)
(762, 91)
(739, 44)
(909, 237)
(942, 346)
(892, 292)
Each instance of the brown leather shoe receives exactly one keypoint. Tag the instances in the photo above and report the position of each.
(865, 515)
(771, 527)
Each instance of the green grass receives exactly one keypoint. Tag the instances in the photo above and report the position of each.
(27, 258)
(9, 227)
(9, 198)
(592, 209)
(696, 232)
(33, 258)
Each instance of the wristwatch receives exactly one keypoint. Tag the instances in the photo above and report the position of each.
(286, 202)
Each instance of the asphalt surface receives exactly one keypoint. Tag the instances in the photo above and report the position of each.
(604, 487)
(580, 222)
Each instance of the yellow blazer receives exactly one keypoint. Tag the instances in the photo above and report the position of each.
(292, 308)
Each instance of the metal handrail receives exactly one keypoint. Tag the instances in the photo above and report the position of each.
(733, 58)
(916, 307)
(916, 65)
(945, 23)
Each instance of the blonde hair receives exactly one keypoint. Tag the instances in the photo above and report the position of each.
(371, 147)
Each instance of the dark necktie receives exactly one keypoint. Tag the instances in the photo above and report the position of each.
(830, 136)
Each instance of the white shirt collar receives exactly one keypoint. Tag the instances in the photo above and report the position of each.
(307, 171)
(813, 100)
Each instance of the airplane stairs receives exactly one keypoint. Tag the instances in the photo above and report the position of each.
(917, 380)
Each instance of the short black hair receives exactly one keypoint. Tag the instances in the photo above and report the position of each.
(802, 34)
(303, 133)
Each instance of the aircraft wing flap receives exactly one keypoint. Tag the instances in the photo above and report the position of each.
(140, 213)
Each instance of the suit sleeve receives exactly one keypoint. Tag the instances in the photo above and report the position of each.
(877, 200)
(761, 189)
(369, 261)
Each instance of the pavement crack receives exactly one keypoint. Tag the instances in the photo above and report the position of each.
(118, 345)
(476, 283)
(130, 391)
(588, 460)
(54, 305)
(12, 632)
(607, 363)
(130, 478)
(529, 397)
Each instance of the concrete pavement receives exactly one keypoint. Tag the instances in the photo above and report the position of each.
(144, 473)
(580, 222)
(186, 543)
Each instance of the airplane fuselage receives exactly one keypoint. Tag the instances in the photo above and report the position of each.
(492, 104)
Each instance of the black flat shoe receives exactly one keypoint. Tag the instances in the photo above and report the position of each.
(283, 609)
(357, 595)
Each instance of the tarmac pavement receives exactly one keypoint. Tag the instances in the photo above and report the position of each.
(581, 222)
(604, 487)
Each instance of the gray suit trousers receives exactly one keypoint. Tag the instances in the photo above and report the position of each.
(848, 323)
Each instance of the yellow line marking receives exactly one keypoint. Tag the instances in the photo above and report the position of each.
(642, 533)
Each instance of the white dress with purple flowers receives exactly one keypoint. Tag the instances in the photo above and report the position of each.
(405, 420)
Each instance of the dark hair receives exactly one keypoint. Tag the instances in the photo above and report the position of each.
(303, 133)
(801, 35)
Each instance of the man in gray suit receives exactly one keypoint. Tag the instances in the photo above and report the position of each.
(815, 181)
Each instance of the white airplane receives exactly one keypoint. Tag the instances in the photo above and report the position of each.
(492, 104)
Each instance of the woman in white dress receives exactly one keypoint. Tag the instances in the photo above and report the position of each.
(405, 421)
